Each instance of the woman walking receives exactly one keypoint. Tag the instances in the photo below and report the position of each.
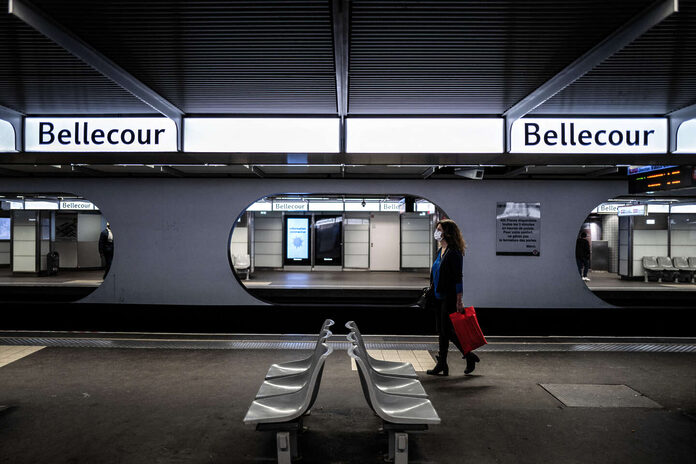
(446, 282)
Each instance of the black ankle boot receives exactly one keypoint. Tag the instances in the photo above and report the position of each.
(471, 360)
(440, 367)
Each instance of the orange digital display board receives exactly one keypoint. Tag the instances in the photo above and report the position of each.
(671, 178)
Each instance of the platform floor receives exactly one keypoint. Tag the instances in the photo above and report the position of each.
(64, 278)
(119, 405)
(606, 281)
(344, 280)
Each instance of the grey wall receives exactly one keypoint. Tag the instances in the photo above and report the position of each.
(171, 235)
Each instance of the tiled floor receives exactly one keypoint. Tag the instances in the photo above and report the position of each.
(10, 354)
(421, 359)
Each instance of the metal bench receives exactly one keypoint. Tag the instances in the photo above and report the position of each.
(652, 269)
(669, 272)
(400, 414)
(393, 368)
(300, 365)
(403, 386)
(685, 270)
(292, 383)
(283, 414)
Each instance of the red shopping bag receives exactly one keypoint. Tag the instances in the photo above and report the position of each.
(467, 328)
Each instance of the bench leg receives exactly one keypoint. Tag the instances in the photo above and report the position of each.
(286, 445)
(398, 447)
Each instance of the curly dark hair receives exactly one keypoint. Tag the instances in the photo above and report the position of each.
(452, 234)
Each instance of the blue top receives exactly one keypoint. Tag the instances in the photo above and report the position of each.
(436, 277)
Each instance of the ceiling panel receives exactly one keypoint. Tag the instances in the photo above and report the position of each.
(654, 75)
(216, 56)
(468, 57)
(213, 169)
(39, 77)
(299, 170)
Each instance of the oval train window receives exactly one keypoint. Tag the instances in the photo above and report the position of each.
(640, 251)
(335, 248)
(52, 247)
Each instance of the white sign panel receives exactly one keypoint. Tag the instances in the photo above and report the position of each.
(77, 205)
(40, 204)
(420, 135)
(325, 205)
(100, 135)
(11, 204)
(607, 208)
(394, 206)
(610, 136)
(686, 137)
(262, 135)
(289, 206)
(261, 206)
(7, 137)
(633, 210)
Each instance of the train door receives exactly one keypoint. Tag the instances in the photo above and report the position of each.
(328, 240)
(385, 241)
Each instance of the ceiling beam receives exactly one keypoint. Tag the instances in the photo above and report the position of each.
(518, 171)
(10, 172)
(675, 119)
(340, 17)
(603, 172)
(429, 172)
(80, 169)
(47, 26)
(17, 120)
(256, 170)
(171, 171)
(624, 35)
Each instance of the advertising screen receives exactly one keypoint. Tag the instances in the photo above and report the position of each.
(4, 228)
(297, 245)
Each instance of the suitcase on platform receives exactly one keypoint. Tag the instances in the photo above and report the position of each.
(467, 328)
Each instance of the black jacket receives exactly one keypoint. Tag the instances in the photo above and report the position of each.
(582, 248)
(450, 273)
(106, 246)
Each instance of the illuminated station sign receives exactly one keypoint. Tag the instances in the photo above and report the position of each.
(363, 135)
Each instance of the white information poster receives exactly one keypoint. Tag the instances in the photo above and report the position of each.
(297, 246)
(518, 228)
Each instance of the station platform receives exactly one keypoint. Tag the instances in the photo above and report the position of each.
(142, 398)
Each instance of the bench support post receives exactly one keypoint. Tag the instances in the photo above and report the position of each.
(286, 446)
(398, 447)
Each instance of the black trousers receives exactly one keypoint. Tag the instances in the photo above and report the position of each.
(445, 329)
(108, 257)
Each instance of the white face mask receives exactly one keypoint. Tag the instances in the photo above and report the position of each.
(438, 235)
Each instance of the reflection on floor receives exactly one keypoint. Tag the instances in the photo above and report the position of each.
(421, 360)
(64, 278)
(607, 281)
(9, 354)
(347, 280)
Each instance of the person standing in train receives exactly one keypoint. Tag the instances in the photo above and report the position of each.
(106, 247)
(446, 283)
(582, 255)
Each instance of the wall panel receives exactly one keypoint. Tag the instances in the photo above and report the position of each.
(162, 223)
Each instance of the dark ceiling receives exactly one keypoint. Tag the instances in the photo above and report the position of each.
(404, 57)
